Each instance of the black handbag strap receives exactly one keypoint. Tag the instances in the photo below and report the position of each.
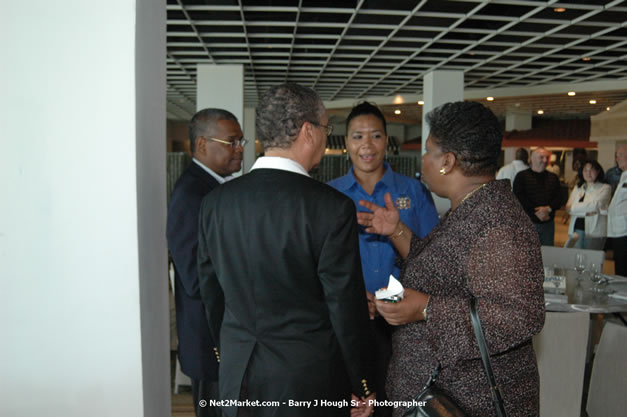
(497, 399)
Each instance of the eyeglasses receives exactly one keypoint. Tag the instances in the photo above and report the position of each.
(237, 142)
(329, 129)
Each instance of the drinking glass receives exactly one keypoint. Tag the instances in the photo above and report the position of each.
(580, 264)
(595, 276)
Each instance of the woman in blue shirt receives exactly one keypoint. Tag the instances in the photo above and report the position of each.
(370, 178)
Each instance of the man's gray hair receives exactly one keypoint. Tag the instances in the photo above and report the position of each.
(283, 110)
(204, 121)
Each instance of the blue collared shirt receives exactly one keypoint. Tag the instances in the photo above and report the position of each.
(417, 211)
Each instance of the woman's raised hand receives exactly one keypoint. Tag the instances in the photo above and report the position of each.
(382, 220)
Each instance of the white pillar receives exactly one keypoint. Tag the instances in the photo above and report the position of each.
(222, 87)
(516, 119)
(510, 155)
(249, 133)
(440, 87)
(606, 154)
(82, 234)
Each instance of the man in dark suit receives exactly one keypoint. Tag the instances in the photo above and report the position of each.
(216, 145)
(280, 274)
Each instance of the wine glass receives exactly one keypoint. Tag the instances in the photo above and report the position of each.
(580, 264)
(556, 279)
(595, 275)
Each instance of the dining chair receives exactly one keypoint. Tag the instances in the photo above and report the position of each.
(572, 240)
(565, 257)
(561, 353)
(607, 395)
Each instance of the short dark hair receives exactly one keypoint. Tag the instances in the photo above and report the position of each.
(522, 155)
(283, 110)
(596, 166)
(203, 121)
(470, 131)
(365, 108)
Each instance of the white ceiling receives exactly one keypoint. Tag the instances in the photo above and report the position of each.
(521, 51)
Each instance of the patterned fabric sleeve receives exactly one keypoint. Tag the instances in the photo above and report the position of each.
(504, 272)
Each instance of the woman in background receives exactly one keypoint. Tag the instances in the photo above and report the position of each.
(485, 247)
(587, 206)
(369, 179)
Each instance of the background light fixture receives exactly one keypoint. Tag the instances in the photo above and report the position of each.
(559, 10)
(397, 111)
(572, 93)
(540, 111)
(421, 102)
(593, 101)
(490, 98)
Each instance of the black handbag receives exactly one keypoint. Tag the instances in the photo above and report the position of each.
(432, 402)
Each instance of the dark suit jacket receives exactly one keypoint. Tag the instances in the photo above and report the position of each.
(284, 250)
(196, 345)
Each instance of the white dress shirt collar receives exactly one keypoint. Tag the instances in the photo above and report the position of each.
(278, 162)
(221, 180)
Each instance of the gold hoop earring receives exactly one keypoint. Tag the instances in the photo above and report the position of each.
(442, 171)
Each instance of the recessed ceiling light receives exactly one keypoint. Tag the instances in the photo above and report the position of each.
(592, 101)
(421, 102)
(540, 111)
(490, 98)
(607, 108)
(572, 93)
(586, 58)
(398, 99)
(397, 111)
(559, 10)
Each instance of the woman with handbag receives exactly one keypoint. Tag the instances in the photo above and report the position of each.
(484, 248)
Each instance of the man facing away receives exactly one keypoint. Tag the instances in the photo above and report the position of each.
(216, 143)
(509, 171)
(280, 274)
(617, 216)
(539, 193)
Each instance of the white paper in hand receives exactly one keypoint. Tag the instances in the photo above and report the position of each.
(392, 293)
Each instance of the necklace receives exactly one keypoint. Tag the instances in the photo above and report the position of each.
(472, 192)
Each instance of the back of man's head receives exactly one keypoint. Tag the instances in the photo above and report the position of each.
(522, 155)
(282, 111)
(203, 123)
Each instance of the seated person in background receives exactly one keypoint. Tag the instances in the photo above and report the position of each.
(369, 179)
(509, 171)
(587, 206)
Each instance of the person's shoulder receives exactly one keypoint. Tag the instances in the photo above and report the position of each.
(192, 184)
(554, 177)
(341, 183)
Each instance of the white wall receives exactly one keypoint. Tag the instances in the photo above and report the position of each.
(79, 149)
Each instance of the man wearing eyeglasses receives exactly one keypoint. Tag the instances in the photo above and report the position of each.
(280, 275)
(217, 144)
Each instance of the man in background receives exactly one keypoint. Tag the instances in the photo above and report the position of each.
(539, 193)
(216, 144)
(509, 171)
(617, 216)
(280, 274)
(612, 175)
